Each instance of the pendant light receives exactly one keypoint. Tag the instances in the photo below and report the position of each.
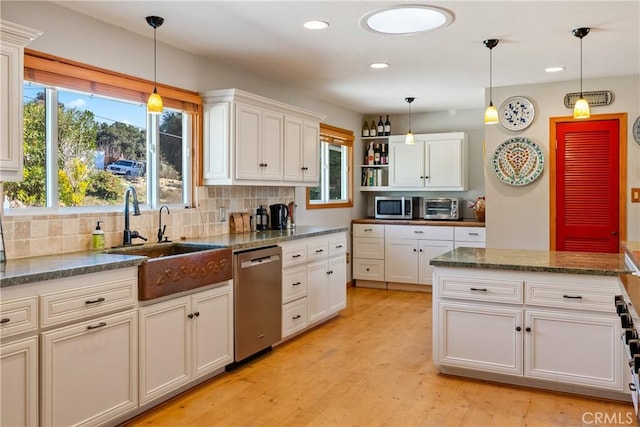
(154, 104)
(491, 113)
(581, 109)
(409, 138)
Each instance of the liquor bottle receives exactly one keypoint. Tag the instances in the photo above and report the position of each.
(376, 155)
(370, 154)
(373, 129)
(387, 127)
(380, 127)
(365, 129)
(383, 155)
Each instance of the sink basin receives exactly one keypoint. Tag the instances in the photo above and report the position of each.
(174, 267)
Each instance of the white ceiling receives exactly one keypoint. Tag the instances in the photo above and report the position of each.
(446, 69)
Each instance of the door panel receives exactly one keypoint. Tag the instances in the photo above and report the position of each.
(587, 186)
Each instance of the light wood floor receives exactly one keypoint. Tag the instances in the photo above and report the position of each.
(369, 367)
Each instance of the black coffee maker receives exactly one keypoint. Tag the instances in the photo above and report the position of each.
(279, 214)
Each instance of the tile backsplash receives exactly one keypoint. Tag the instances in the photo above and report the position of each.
(35, 235)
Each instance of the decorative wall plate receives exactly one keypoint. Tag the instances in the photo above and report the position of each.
(517, 113)
(594, 98)
(636, 130)
(518, 161)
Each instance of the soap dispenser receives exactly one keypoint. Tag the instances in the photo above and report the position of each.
(97, 238)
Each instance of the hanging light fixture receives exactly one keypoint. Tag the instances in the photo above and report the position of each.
(581, 109)
(491, 113)
(409, 138)
(154, 104)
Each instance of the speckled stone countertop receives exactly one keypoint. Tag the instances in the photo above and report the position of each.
(452, 223)
(27, 270)
(599, 264)
(633, 250)
(631, 282)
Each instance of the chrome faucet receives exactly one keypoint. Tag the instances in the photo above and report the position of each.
(128, 234)
(161, 228)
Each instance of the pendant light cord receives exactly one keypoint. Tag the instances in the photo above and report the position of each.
(154, 57)
(490, 76)
(581, 94)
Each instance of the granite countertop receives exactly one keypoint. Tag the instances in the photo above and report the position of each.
(632, 249)
(35, 269)
(599, 264)
(451, 223)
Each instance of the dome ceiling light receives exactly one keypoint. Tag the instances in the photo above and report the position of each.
(406, 19)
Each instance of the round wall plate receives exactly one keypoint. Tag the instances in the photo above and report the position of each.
(517, 113)
(518, 161)
(636, 130)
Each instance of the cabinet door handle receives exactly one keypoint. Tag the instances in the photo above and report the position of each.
(296, 256)
(296, 317)
(338, 246)
(266, 164)
(197, 314)
(415, 250)
(367, 269)
(632, 387)
(99, 325)
(528, 329)
(479, 289)
(330, 272)
(518, 328)
(296, 284)
(95, 301)
(572, 296)
(190, 315)
(5, 320)
(421, 250)
(319, 250)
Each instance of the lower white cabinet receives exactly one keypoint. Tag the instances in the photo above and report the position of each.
(89, 371)
(19, 385)
(184, 338)
(327, 292)
(401, 260)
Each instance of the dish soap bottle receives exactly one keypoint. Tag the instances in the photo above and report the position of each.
(97, 238)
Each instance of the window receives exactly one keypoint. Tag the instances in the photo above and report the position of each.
(87, 136)
(336, 180)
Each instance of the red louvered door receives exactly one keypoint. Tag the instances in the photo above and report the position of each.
(587, 186)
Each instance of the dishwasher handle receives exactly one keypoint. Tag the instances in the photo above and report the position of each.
(259, 261)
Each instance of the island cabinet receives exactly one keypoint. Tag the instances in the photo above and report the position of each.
(252, 140)
(436, 162)
(558, 330)
(184, 338)
(13, 39)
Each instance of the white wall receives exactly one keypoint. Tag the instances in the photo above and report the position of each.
(518, 217)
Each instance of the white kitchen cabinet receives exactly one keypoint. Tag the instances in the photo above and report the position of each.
(301, 150)
(428, 249)
(368, 252)
(184, 338)
(470, 237)
(19, 385)
(401, 260)
(13, 39)
(436, 162)
(245, 141)
(89, 371)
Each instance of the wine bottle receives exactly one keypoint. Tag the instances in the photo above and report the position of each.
(380, 127)
(387, 127)
(376, 155)
(373, 129)
(370, 154)
(365, 129)
(383, 155)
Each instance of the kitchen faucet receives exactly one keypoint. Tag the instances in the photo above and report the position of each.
(129, 234)
(161, 228)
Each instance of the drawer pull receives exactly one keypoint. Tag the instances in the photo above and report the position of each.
(99, 325)
(330, 272)
(368, 229)
(572, 296)
(473, 234)
(338, 246)
(418, 231)
(296, 256)
(95, 301)
(5, 320)
(296, 317)
(319, 250)
(296, 284)
(479, 289)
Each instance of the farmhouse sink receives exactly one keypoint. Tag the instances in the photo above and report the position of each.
(174, 267)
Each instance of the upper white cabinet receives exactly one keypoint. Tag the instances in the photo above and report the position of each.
(252, 140)
(436, 162)
(13, 39)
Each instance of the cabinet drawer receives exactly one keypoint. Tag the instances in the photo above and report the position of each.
(368, 269)
(567, 295)
(294, 254)
(76, 304)
(337, 246)
(318, 249)
(370, 248)
(470, 234)
(368, 230)
(17, 316)
(294, 317)
(418, 232)
(495, 290)
(294, 283)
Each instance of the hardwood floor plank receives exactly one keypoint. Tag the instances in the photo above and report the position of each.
(371, 366)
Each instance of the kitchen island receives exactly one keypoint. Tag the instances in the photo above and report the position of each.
(532, 318)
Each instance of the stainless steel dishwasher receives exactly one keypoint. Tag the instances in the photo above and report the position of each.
(257, 278)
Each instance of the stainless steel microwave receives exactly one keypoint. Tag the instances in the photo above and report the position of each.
(393, 207)
(440, 208)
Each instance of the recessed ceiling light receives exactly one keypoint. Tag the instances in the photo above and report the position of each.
(316, 25)
(553, 69)
(379, 65)
(407, 19)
